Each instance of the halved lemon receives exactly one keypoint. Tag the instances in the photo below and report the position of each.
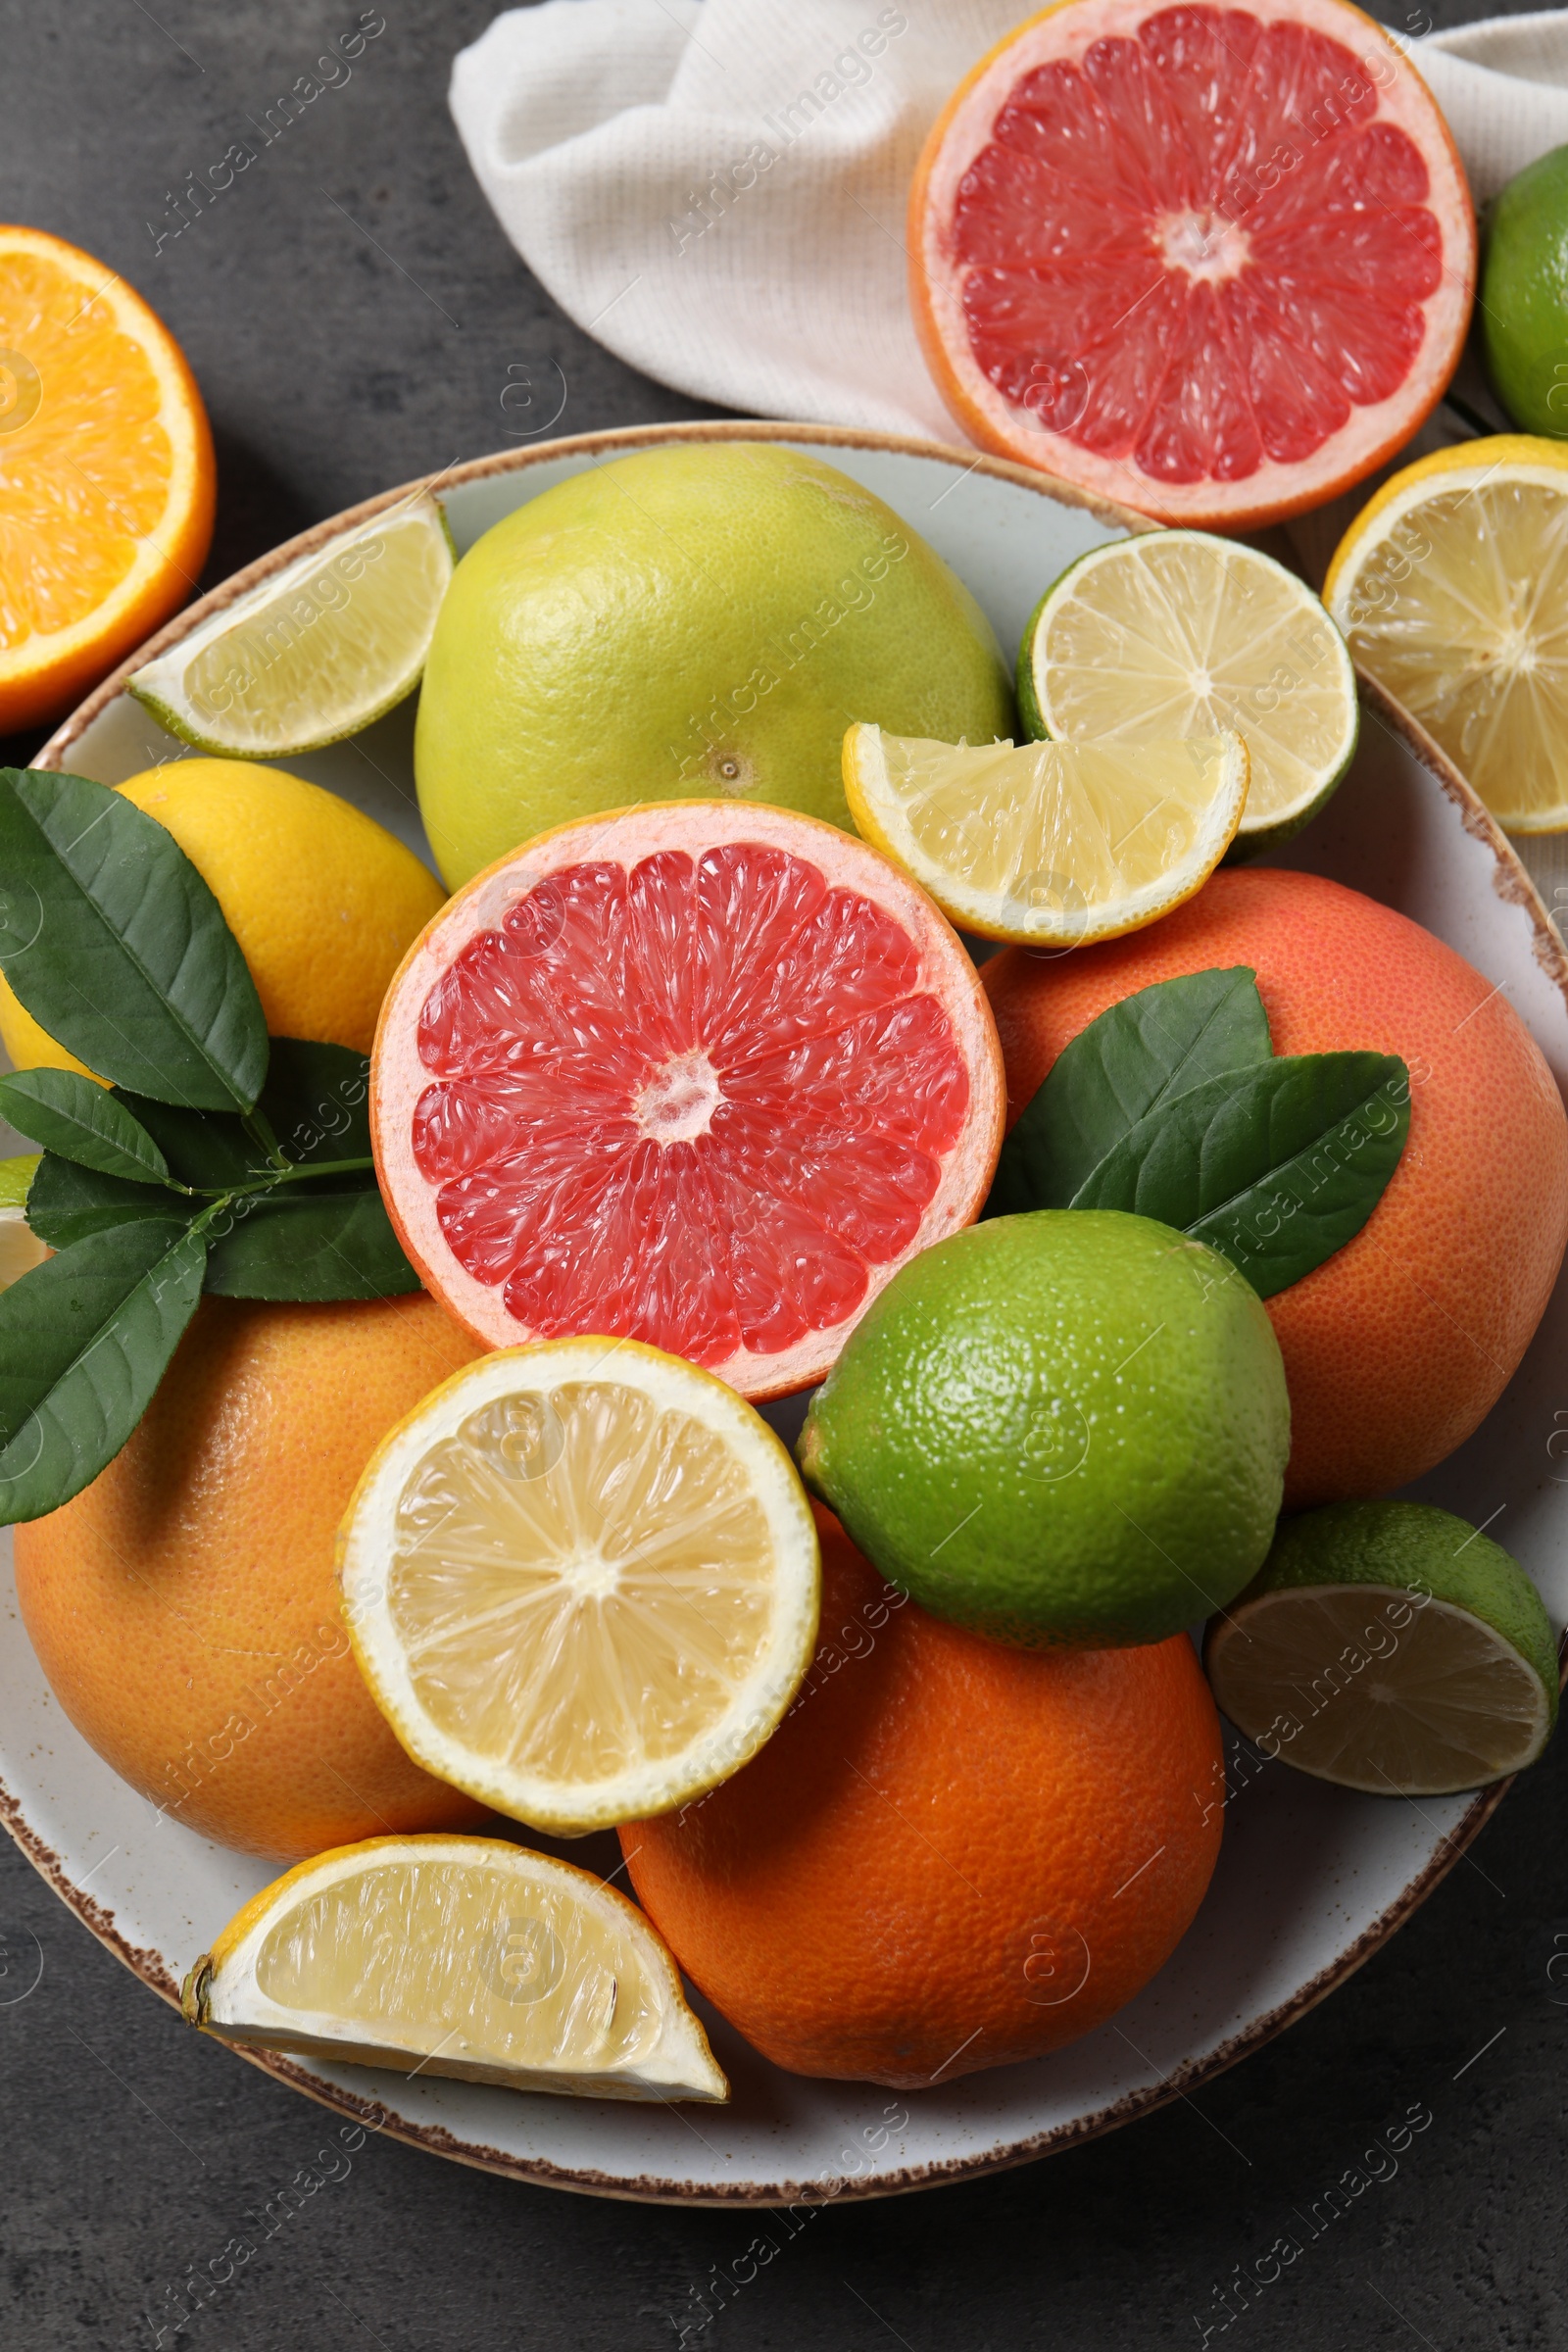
(1180, 633)
(1390, 1647)
(1451, 585)
(582, 1582)
(459, 1956)
(1049, 843)
(328, 644)
(107, 481)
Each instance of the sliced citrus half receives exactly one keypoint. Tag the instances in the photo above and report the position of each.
(700, 1074)
(582, 1580)
(460, 1956)
(1451, 586)
(106, 474)
(1180, 633)
(1055, 843)
(1215, 262)
(315, 652)
(1392, 1647)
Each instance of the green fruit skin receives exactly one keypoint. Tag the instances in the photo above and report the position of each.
(1523, 306)
(1415, 1548)
(1066, 1429)
(689, 622)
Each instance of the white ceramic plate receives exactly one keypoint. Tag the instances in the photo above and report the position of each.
(1310, 1878)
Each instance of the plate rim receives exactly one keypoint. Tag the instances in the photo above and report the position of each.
(1511, 882)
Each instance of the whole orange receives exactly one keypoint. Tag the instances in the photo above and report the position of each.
(950, 1854)
(185, 1606)
(1399, 1346)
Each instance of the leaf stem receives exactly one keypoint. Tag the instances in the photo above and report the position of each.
(291, 1173)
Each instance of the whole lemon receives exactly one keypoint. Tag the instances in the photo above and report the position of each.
(323, 902)
(688, 622)
(1066, 1429)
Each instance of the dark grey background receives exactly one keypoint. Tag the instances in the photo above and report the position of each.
(338, 359)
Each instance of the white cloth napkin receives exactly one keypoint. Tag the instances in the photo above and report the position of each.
(715, 188)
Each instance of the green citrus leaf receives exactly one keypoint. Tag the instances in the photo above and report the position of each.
(209, 1149)
(113, 941)
(67, 1201)
(1276, 1166)
(72, 1116)
(298, 1243)
(1145, 1050)
(84, 1339)
(317, 1100)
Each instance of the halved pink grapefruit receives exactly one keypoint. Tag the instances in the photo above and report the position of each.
(695, 1074)
(1215, 262)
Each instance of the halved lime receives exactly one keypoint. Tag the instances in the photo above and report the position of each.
(330, 644)
(1389, 1646)
(1180, 633)
(1049, 843)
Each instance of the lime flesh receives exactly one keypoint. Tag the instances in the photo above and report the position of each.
(1064, 1429)
(1181, 633)
(1390, 1647)
(688, 623)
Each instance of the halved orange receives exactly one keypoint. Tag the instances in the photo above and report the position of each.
(106, 474)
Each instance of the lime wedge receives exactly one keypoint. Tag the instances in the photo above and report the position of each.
(315, 652)
(19, 1246)
(1180, 633)
(1051, 843)
(1392, 1647)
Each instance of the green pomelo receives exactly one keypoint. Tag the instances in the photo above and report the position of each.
(1069, 1428)
(1522, 304)
(688, 623)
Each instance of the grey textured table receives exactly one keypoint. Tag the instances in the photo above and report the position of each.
(352, 311)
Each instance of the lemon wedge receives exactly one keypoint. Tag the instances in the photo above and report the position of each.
(1180, 633)
(458, 1956)
(1055, 844)
(317, 651)
(582, 1582)
(1451, 585)
(19, 1246)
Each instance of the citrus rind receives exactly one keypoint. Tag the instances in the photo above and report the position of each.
(989, 830)
(456, 1956)
(695, 1546)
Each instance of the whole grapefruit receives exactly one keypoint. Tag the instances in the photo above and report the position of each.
(693, 618)
(1399, 1346)
(184, 1609)
(929, 1867)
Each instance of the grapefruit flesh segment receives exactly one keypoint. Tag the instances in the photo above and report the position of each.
(693, 1076)
(1215, 262)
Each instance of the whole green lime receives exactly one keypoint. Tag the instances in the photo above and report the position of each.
(695, 621)
(1523, 306)
(1063, 1429)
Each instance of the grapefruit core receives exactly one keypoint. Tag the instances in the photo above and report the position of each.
(693, 1074)
(1215, 262)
